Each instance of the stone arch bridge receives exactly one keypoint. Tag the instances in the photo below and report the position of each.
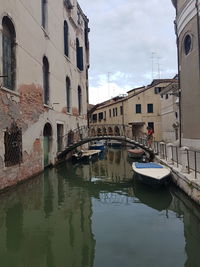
(85, 134)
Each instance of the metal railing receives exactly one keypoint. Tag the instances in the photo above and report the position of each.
(192, 161)
(159, 148)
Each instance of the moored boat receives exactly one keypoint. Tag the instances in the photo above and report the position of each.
(136, 153)
(151, 173)
(97, 146)
(85, 155)
(115, 144)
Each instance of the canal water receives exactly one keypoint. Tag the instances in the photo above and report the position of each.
(95, 215)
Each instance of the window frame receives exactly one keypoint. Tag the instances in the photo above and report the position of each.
(150, 108)
(136, 108)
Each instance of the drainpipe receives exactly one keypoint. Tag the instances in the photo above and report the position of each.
(179, 82)
(198, 30)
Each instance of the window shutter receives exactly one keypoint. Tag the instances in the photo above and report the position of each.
(80, 58)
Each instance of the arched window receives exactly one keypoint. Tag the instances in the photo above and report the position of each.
(79, 101)
(79, 55)
(46, 80)
(187, 44)
(66, 39)
(68, 94)
(44, 13)
(9, 55)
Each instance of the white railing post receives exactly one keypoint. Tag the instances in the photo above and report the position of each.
(184, 159)
(162, 147)
(169, 153)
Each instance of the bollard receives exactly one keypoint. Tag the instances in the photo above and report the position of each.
(184, 158)
(169, 154)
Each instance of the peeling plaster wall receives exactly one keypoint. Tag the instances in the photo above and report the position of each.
(25, 104)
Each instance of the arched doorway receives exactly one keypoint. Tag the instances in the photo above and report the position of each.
(47, 134)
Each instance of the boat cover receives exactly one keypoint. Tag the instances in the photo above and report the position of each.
(148, 165)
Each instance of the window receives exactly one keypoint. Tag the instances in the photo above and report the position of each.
(79, 101)
(44, 14)
(94, 117)
(68, 4)
(166, 96)
(105, 115)
(151, 125)
(115, 111)
(66, 39)
(79, 55)
(157, 90)
(110, 113)
(150, 108)
(138, 108)
(68, 94)
(121, 110)
(9, 55)
(46, 80)
(100, 116)
(187, 44)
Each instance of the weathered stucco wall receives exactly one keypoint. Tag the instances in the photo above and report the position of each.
(24, 105)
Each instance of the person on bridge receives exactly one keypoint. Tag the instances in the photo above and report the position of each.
(149, 136)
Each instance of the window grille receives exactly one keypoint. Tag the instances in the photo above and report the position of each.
(13, 145)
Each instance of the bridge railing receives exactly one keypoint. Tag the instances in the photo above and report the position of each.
(84, 132)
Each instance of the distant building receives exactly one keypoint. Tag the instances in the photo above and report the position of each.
(44, 52)
(188, 40)
(170, 120)
(140, 108)
(143, 108)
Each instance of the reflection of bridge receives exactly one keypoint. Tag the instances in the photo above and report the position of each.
(83, 135)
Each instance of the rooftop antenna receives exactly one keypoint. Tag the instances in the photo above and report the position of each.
(159, 71)
(109, 84)
(152, 63)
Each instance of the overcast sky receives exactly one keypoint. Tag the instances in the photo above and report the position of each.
(125, 35)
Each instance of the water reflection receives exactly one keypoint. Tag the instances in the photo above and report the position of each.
(69, 217)
(157, 199)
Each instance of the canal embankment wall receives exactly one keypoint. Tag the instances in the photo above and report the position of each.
(186, 178)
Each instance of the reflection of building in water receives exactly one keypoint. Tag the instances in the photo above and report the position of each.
(189, 213)
(113, 168)
(46, 222)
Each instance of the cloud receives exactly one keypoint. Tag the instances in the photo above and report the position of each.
(123, 36)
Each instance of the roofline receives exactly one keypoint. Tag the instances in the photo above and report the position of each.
(136, 88)
(100, 105)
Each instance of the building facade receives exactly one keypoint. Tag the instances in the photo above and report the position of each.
(170, 120)
(44, 52)
(140, 108)
(188, 40)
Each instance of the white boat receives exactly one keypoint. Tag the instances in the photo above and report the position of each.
(151, 173)
(85, 155)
